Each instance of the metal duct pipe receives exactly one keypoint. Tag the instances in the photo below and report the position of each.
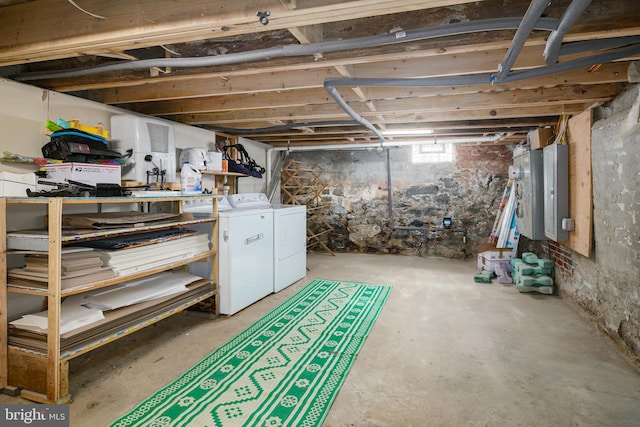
(235, 131)
(611, 55)
(561, 67)
(331, 84)
(598, 44)
(350, 111)
(547, 24)
(554, 42)
(529, 21)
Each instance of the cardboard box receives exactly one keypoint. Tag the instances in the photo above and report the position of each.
(489, 259)
(87, 173)
(540, 138)
(16, 184)
(483, 247)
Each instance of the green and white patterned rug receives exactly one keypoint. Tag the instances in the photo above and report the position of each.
(284, 370)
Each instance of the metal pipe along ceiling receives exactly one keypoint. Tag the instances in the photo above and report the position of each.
(554, 42)
(597, 44)
(602, 58)
(529, 21)
(287, 126)
(330, 84)
(547, 24)
(315, 48)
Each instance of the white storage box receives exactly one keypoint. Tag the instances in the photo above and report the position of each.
(87, 173)
(214, 161)
(16, 184)
(489, 259)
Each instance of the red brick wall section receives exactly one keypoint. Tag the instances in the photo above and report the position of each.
(561, 255)
(485, 157)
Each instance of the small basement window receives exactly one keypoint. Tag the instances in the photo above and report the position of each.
(433, 153)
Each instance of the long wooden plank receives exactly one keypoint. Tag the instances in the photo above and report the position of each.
(54, 299)
(3, 295)
(608, 73)
(580, 185)
(283, 82)
(497, 99)
(311, 114)
(46, 35)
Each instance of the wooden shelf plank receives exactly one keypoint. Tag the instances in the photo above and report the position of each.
(109, 282)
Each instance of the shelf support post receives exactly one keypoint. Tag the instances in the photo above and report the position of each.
(4, 355)
(54, 309)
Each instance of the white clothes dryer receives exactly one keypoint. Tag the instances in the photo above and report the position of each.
(289, 245)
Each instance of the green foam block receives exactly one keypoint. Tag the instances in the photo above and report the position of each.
(545, 263)
(481, 278)
(530, 258)
(524, 269)
(484, 276)
(548, 290)
(537, 281)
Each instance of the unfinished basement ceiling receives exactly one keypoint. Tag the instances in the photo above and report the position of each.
(279, 99)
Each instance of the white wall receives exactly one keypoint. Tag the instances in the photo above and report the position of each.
(25, 109)
(258, 152)
(190, 136)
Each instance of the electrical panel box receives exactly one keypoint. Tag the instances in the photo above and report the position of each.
(556, 190)
(527, 172)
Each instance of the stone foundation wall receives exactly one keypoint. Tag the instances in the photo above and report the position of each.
(467, 190)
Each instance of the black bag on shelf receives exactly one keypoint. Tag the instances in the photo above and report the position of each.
(74, 145)
(243, 164)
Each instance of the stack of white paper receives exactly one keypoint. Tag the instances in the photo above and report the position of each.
(133, 260)
(135, 291)
(72, 316)
(81, 310)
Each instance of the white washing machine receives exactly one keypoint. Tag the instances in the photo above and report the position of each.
(289, 245)
(245, 244)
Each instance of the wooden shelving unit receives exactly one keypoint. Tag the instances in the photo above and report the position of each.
(42, 376)
(221, 179)
(302, 184)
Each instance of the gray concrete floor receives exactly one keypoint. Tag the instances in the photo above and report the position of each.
(445, 351)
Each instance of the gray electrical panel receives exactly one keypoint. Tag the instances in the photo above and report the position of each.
(527, 172)
(556, 190)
